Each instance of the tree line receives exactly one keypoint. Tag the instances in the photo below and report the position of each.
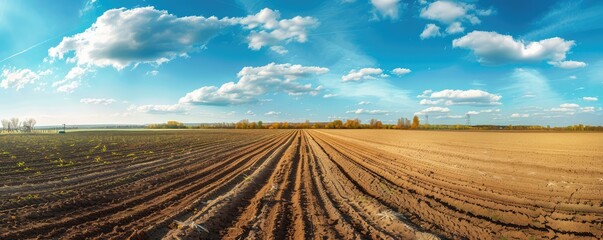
(16, 125)
(402, 123)
(179, 125)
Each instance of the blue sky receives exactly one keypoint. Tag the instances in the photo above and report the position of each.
(502, 62)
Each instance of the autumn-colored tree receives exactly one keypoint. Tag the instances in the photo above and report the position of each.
(374, 123)
(260, 124)
(275, 126)
(337, 124)
(415, 122)
(306, 124)
(169, 125)
(242, 124)
(174, 124)
(403, 123)
(352, 124)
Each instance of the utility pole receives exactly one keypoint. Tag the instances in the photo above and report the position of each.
(468, 119)
(426, 119)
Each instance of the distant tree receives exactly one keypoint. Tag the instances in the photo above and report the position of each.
(260, 124)
(306, 124)
(6, 125)
(415, 122)
(252, 125)
(275, 125)
(374, 123)
(242, 124)
(352, 124)
(15, 124)
(337, 124)
(28, 125)
(168, 125)
(174, 124)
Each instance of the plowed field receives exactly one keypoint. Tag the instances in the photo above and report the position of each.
(301, 184)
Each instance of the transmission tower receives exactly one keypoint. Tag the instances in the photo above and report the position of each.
(426, 119)
(468, 119)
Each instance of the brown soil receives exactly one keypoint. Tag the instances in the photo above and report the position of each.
(301, 184)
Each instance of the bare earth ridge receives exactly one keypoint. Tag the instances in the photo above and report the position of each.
(302, 184)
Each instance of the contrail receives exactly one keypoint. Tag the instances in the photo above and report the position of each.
(27, 49)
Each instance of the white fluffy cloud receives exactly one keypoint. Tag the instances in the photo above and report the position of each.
(495, 48)
(387, 8)
(455, 27)
(363, 74)
(444, 11)
(103, 101)
(431, 102)
(123, 37)
(268, 30)
(425, 94)
(518, 115)
(450, 116)
(448, 12)
(472, 113)
(279, 49)
(19, 78)
(361, 111)
(364, 103)
(71, 80)
(452, 14)
(489, 110)
(571, 108)
(590, 99)
(460, 97)
(256, 81)
(431, 30)
(330, 95)
(371, 74)
(401, 71)
(433, 110)
(68, 87)
(569, 105)
(160, 109)
(568, 64)
(272, 113)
